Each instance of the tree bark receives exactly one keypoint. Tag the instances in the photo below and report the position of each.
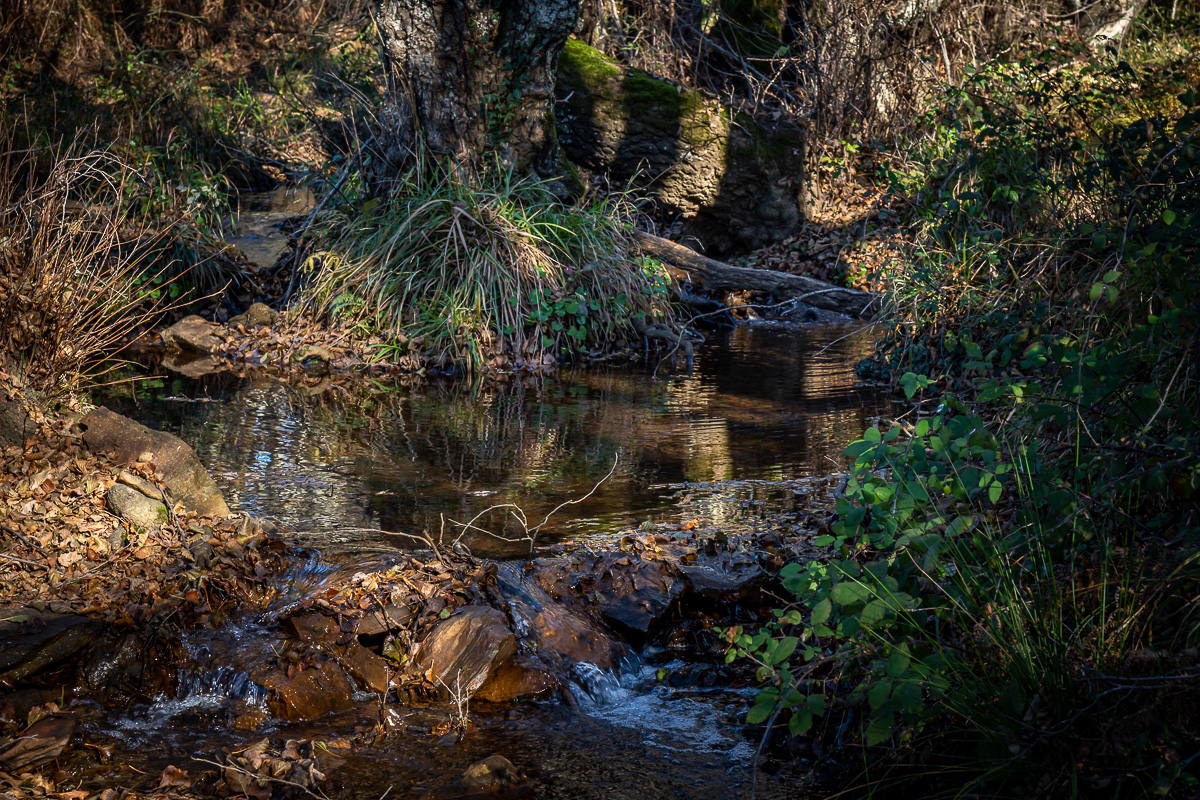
(466, 76)
(690, 265)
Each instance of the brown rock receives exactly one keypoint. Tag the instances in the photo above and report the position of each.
(313, 692)
(555, 628)
(177, 465)
(383, 619)
(516, 678)
(491, 776)
(257, 316)
(40, 743)
(314, 627)
(461, 651)
(193, 333)
(44, 640)
(134, 507)
(370, 670)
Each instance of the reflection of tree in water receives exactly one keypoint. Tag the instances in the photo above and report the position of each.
(763, 405)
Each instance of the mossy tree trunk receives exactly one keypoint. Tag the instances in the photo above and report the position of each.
(468, 76)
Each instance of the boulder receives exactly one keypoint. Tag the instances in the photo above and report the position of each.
(737, 184)
(178, 467)
(195, 334)
(558, 632)
(31, 641)
(460, 652)
(259, 315)
(516, 678)
(312, 692)
(136, 508)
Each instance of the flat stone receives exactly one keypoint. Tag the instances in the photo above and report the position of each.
(40, 743)
(135, 508)
(384, 619)
(725, 577)
(193, 333)
(42, 641)
(494, 776)
(177, 465)
(314, 627)
(369, 669)
(311, 693)
(460, 652)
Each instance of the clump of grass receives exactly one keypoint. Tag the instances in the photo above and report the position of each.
(492, 269)
(76, 282)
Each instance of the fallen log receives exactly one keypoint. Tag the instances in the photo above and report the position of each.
(689, 265)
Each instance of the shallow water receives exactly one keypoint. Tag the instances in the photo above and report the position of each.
(760, 406)
(732, 440)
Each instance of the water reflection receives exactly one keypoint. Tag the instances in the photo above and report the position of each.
(761, 404)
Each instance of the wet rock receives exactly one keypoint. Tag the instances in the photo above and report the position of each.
(257, 316)
(108, 664)
(384, 619)
(135, 508)
(314, 627)
(194, 334)
(460, 652)
(40, 743)
(493, 775)
(555, 629)
(177, 465)
(727, 576)
(312, 692)
(369, 669)
(517, 678)
(37, 640)
(190, 365)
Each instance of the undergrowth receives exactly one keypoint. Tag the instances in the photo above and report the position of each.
(1008, 606)
(491, 269)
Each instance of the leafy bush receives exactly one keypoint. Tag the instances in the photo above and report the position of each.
(1011, 579)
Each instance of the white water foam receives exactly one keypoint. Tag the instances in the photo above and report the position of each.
(693, 720)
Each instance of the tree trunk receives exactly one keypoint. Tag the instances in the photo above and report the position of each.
(466, 76)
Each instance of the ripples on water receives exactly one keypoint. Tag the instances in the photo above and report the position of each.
(761, 405)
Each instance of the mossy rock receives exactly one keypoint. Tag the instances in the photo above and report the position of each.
(738, 183)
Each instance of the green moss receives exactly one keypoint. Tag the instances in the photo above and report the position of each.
(586, 62)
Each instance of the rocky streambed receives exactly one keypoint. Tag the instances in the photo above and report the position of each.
(205, 653)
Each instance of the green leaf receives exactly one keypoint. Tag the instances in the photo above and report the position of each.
(821, 612)
(801, 722)
(897, 663)
(1168, 216)
(879, 693)
(760, 712)
(880, 729)
(847, 593)
(824, 540)
(816, 704)
(908, 694)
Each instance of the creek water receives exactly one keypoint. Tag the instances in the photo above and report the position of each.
(763, 409)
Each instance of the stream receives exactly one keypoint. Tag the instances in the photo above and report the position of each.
(765, 410)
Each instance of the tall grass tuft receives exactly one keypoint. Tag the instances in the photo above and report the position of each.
(488, 269)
